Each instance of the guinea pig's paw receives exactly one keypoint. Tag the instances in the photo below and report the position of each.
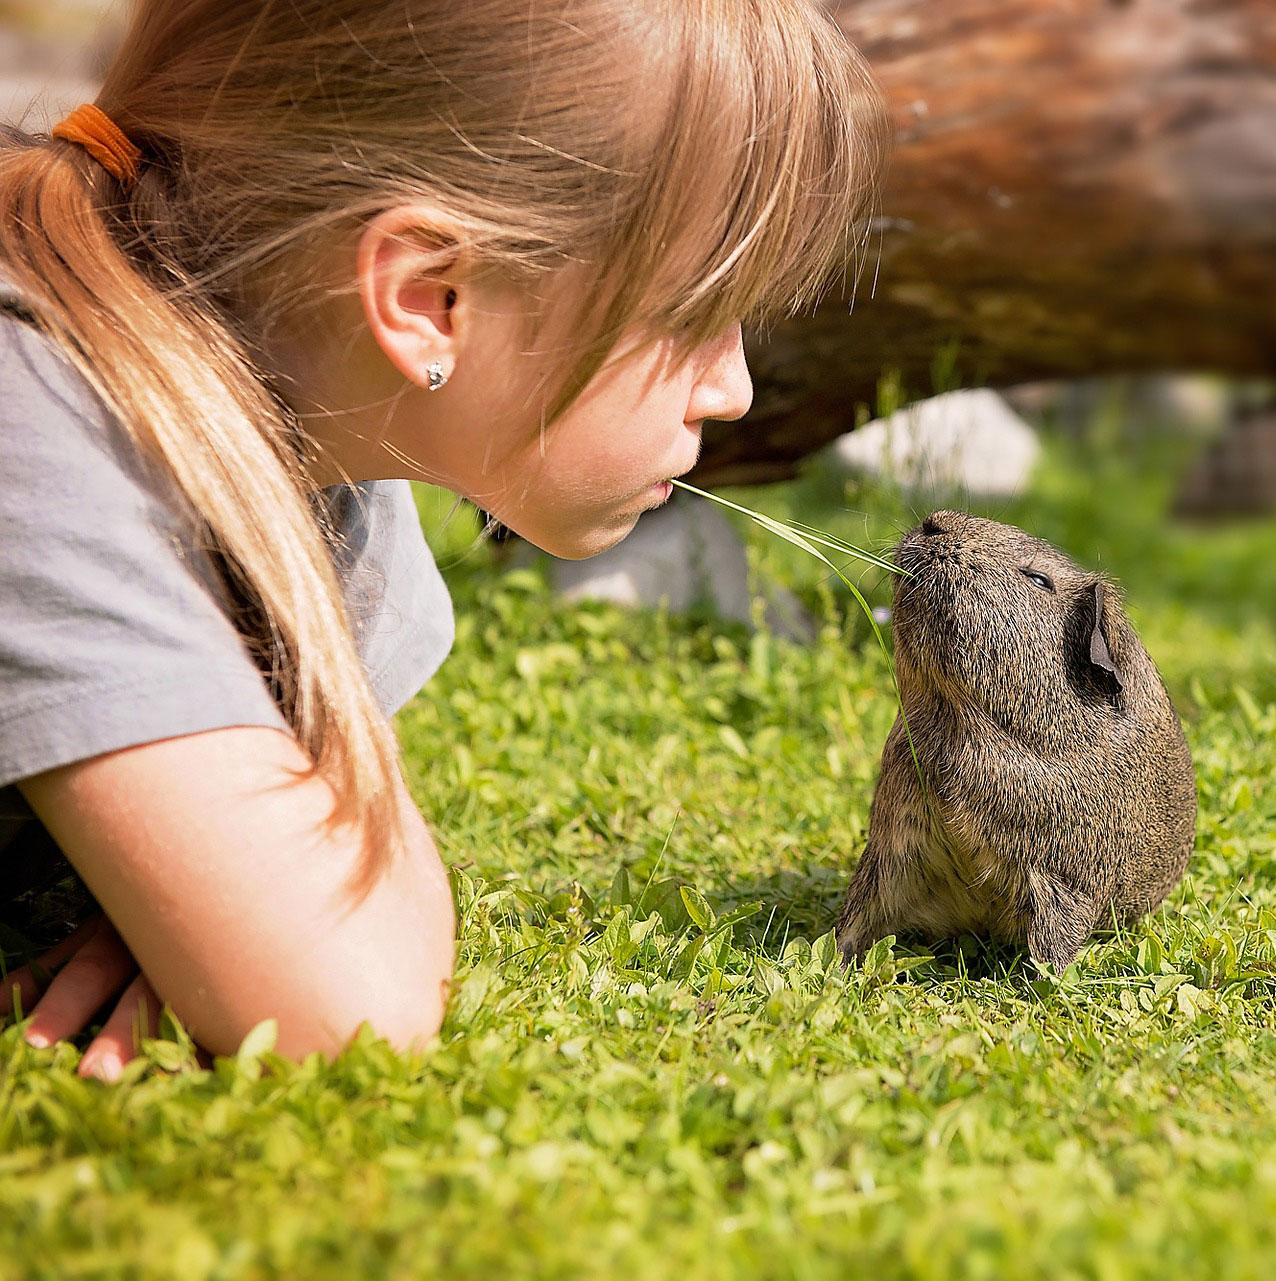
(1061, 920)
(851, 953)
(854, 938)
(875, 958)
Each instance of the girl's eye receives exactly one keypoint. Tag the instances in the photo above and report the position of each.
(1040, 579)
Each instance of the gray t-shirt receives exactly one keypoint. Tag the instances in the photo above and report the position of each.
(112, 632)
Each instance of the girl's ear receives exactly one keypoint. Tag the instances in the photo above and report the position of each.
(408, 266)
(1102, 636)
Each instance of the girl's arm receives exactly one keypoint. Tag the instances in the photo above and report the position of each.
(215, 868)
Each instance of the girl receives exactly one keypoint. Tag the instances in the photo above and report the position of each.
(299, 253)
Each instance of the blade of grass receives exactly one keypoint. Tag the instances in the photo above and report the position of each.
(804, 531)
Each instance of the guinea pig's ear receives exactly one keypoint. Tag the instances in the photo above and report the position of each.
(1100, 650)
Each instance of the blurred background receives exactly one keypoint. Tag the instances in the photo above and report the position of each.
(52, 54)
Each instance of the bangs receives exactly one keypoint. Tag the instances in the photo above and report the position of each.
(759, 205)
(733, 186)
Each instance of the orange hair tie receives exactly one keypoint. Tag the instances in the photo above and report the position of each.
(103, 139)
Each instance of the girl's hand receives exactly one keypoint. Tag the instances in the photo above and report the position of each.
(95, 965)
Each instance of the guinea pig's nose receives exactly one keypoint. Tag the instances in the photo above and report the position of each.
(931, 525)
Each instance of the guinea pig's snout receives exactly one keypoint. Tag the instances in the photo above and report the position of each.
(936, 541)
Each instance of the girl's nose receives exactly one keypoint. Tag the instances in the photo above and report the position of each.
(724, 391)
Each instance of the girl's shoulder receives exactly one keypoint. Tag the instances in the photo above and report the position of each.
(113, 630)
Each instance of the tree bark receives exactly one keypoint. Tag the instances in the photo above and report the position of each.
(1079, 187)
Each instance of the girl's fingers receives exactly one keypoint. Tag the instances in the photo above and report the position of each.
(134, 1017)
(26, 980)
(98, 970)
(97, 965)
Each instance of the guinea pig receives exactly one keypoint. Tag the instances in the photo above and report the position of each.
(1047, 790)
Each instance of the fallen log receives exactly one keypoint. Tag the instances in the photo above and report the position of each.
(1079, 187)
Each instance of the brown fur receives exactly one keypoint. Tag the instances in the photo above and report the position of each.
(1059, 794)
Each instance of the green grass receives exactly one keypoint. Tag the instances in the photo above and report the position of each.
(654, 1064)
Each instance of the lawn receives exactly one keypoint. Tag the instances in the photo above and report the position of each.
(654, 1064)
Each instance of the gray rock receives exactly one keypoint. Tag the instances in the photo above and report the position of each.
(968, 442)
(1140, 405)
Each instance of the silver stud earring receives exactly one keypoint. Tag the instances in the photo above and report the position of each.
(437, 377)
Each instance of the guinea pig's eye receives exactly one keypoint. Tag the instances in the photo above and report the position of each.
(1040, 579)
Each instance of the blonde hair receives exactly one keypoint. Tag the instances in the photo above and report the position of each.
(718, 168)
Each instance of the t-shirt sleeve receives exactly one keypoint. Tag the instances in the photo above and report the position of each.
(109, 635)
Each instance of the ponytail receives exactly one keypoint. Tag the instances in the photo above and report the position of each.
(169, 365)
